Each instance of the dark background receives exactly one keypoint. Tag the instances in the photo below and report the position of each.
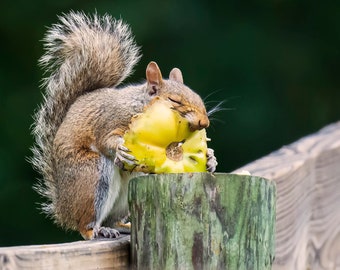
(274, 63)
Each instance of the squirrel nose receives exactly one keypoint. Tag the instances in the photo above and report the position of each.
(200, 124)
(203, 123)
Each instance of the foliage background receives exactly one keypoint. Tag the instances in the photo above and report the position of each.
(274, 63)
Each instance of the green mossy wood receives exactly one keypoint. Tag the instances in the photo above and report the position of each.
(202, 221)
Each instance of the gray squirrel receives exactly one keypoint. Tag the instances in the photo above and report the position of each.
(80, 124)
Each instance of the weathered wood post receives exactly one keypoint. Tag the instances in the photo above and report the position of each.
(202, 221)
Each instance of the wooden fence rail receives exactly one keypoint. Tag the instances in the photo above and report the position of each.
(307, 176)
(103, 254)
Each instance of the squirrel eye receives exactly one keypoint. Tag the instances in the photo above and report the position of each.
(175, 101)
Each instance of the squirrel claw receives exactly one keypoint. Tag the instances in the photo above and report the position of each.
(123, 148)
(123, 156)
(105, 232)
(211, 161)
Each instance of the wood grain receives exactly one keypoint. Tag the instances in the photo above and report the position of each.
(202, 221)
(95, 254)
(307, 176)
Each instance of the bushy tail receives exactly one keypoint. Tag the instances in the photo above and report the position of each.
(82, 53)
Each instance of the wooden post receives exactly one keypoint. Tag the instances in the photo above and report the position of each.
(202, 221)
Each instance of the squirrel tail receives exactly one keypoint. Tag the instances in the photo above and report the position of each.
(82, 54)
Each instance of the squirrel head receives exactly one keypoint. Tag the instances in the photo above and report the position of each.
(183, 99)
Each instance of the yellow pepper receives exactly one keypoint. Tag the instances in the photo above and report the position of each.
(161, 141)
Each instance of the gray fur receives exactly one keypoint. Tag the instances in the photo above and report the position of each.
(107, 190)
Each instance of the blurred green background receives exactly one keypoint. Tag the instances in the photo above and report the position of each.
(275, 64)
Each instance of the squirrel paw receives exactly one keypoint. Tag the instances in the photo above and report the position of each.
(124, 225)
(211, 161)
(105, 232)
(123, 156)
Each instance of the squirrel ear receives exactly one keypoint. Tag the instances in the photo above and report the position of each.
(154, 77)
(176, 75)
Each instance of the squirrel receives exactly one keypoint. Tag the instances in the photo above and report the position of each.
(79, 127)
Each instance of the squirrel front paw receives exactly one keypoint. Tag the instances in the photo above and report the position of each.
(123, 155)
(211, 161)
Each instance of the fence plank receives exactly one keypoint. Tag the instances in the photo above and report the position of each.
(96, 254)
(307, 176)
